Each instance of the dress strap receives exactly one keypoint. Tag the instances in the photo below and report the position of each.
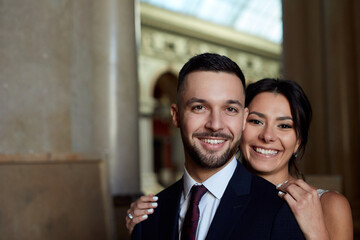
(321, 192)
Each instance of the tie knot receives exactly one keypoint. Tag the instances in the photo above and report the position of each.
(197, 191)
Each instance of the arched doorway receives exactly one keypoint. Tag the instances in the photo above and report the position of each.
(167, 160)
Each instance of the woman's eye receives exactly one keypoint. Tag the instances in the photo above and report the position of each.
(285, 126)
(255, 121)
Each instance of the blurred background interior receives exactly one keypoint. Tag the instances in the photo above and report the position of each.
(86, 88)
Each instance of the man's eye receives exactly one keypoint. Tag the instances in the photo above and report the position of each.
(198, 108)
(231, 109)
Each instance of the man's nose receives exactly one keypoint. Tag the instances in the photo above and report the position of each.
(215, 121)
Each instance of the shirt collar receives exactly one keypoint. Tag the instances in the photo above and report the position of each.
(216, 184)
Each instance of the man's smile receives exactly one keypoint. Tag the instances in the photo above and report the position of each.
(213, 141)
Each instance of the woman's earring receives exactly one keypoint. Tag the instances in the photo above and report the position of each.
(295, 155)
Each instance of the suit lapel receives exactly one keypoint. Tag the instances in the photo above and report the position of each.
(233, 203)
(169, 212)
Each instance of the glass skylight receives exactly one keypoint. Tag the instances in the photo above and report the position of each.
(261, 18)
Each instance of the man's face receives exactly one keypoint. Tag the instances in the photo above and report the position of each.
(211, 117)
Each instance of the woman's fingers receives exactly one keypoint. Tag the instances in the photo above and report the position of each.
(292, 189)
(288, 198)
(139, 210)
(130, 223)
(299, 195)
(301, 183)
(298, 189)
(144, 205)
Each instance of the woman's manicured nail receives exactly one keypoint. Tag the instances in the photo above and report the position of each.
(155, 198)
(145, 216)
(150, 210)
(154, 204)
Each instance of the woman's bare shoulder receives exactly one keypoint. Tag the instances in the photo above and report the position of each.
(332, 200)
(337, 215)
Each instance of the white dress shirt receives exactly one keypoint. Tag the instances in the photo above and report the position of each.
(209, 203)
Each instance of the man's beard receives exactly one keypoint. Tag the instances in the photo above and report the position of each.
(210, 159)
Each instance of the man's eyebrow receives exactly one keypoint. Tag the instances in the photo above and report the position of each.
(263, 116)
(200, 100)
(237, 102)
(194, 100)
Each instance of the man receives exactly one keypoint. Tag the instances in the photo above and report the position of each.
(234, 204)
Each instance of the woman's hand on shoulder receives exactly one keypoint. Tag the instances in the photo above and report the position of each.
(305, 204)
(139, 210)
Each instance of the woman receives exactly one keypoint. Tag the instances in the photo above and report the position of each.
(273, 141)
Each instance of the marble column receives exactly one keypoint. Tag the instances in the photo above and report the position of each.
(116, 92)
(149, 182)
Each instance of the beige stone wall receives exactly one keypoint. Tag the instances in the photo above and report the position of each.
(68, 72)
(35, 77)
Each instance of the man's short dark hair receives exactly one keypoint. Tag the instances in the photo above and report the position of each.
(209, 62)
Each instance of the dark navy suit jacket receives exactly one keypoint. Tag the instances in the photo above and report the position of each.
(250, 209)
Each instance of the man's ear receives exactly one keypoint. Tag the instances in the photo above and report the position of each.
(175, 115)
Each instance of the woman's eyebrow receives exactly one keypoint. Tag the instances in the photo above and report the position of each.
(284, 118)
(257, 113)
(261, 115)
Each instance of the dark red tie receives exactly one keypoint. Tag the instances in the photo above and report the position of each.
(192, 215)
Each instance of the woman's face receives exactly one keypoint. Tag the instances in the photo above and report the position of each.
(269, 138)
